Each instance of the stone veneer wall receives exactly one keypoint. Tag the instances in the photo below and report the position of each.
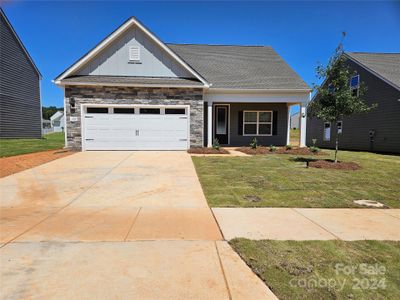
(133, 95)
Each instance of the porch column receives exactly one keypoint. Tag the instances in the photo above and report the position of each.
(303, 124)
(209, 123)
(288, 124)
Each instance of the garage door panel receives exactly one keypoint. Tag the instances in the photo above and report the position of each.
(135, 132)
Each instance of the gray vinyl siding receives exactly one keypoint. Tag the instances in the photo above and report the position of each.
(114, 60)
(237, 139)
(20, 111)
(384, 120)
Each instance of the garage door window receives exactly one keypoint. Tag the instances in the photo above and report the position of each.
(124, 110)
(97, 110)
(175, 111)
(149, 111)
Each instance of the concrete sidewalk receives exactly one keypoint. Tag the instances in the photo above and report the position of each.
(116, 225)
(309, 223)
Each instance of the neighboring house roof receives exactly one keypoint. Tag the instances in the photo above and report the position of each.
(384, 65)
(57, 115)
(240, 67)
(134, 81)
(2, 14)
(114, 35)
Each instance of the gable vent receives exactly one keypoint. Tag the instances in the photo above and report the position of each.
(134, 53)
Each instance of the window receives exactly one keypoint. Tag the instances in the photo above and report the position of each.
(149, 111)
(175, 111)
(257, 123)
(221, 115)
(134, 53)
(339, 127)
(120, 110)
(355, 84)
(327, 131)
(331, 88)
(97, 110)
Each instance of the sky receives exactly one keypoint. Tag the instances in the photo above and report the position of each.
(305, 34)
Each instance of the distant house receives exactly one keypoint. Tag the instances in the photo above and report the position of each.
(378, 130)
(57, 121)
(295, 121)
(20, 105)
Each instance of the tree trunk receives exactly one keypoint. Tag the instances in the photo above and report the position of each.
(336, 144)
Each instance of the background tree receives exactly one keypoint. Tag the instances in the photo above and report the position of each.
(47, 112)
(335, 97)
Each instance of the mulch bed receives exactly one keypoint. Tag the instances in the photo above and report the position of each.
(283, 150)
(207, 151)
(329, 164)
(18, 163)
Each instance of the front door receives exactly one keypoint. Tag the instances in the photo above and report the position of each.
(221, 124)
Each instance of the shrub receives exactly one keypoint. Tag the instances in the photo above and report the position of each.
(288, 147)
(272, 148)
(314, 149)
(314, 141)
(216, 145)
(253, 144)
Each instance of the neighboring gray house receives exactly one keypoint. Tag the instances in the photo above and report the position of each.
(378, 130)
(20, 105)
(134, 92)
(295, 121)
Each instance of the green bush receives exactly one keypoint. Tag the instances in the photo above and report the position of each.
(254, 144)
(272, 148)
(288, 147)
(216, 145)
(314, 149)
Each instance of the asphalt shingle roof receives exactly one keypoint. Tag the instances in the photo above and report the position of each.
(89, 79)
(387, 65)
(240, 67)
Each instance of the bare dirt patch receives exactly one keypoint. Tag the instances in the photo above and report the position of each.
(329, 164)
(18, 163)
(207, 151)
(283, 150)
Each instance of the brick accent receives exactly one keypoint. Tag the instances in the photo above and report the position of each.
(133, 95)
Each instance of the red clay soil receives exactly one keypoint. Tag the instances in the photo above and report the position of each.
(265, 150)
(207, 151)
(18, 163)
(329, 164)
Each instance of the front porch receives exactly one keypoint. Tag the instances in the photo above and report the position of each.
(236, 119)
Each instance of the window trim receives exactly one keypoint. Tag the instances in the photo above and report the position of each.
(330, 131)
(258, 123)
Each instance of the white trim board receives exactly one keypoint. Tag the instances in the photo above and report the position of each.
(257, 97)
(109, 39)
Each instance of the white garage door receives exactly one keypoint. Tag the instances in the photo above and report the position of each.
(136, 128)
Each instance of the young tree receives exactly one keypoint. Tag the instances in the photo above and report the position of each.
(335, 97)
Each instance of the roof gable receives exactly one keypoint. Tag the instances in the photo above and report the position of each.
(384, 65)
(104, 58)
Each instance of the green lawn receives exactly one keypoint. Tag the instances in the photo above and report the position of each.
(11, 147)
(278, 180)
(325, 269)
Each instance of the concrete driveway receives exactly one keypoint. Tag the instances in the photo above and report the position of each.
(116, 225)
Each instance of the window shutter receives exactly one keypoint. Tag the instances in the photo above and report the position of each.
(134, 53)
(275, 123)
(240, 123)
